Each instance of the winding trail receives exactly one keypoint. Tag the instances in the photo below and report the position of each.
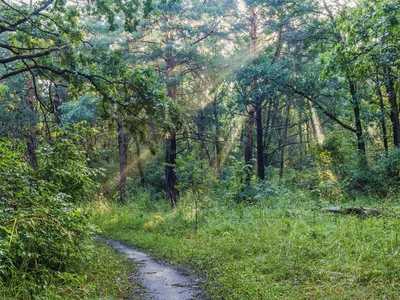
(161, 281)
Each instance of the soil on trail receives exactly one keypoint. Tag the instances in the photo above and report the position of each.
(161, 281)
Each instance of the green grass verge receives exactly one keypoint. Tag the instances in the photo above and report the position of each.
(257, 252)
(101, 274)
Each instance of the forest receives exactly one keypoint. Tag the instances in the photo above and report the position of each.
(254, 143)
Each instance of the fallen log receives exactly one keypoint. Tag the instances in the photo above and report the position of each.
(358, 211)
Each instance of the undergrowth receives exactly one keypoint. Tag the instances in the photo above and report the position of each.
(279, 247)
(102, 274)
(45, 237)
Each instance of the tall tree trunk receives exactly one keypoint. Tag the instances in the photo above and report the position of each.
(283, 139)
(394, 109)
(357, 119)
(122, 147)
(200, 133)
(139, 161)
(267, 125)
(32, 141)
(260, 144)
(274, 121)
(171, 192)
(383, 115)
(300, 133)
(267, 133)
(248, 152)
(218, 149)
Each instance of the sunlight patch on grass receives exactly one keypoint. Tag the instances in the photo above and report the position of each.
(260, 252)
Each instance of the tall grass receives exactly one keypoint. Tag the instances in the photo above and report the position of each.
(264, 251)
(103, 274)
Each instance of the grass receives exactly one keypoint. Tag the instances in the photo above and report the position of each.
(259, 252)
(102, 274)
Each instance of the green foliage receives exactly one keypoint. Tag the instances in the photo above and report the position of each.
(244, 244)
(194, 174)
(155, 172)
(66, 167)
(84, 109)
(43, 227)
(260, 80)
(234, 180)
(3, 89)
(101, 274)
(391, 163)
(267, 252)
(260, 191)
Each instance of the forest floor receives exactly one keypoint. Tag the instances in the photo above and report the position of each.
(156, 280)
(262, 251)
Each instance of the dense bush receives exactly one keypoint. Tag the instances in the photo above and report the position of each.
(42, 225)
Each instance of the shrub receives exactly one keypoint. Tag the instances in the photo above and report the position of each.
(42, 224)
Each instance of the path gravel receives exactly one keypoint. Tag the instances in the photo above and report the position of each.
(161, 281)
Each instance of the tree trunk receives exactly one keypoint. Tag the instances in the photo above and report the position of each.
(283, 139)
(217, 137)
(200, 133)
(122, 161)
(383, 112)
(267, 126)
(32, 141)
(394, 109)
(260, 144)
(248, 153)
(300, 133)
(274, 109)
(357, 119)
(139, 161)
(171, 192)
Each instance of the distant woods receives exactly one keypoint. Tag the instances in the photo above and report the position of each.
(307, 87)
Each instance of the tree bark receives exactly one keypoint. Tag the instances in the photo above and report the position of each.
(383, 112)
(357, 119)
(200, 133)
(260, 144)
(283, 139)
(122, 161)
(32, 140)
(217, 137)
(300, 133)
(171, 192)
(394, 109)
(274, 111)
(248, 153)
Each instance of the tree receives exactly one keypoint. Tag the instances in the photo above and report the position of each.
(170, 39)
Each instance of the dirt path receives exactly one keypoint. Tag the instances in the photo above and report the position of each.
(161, 281)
